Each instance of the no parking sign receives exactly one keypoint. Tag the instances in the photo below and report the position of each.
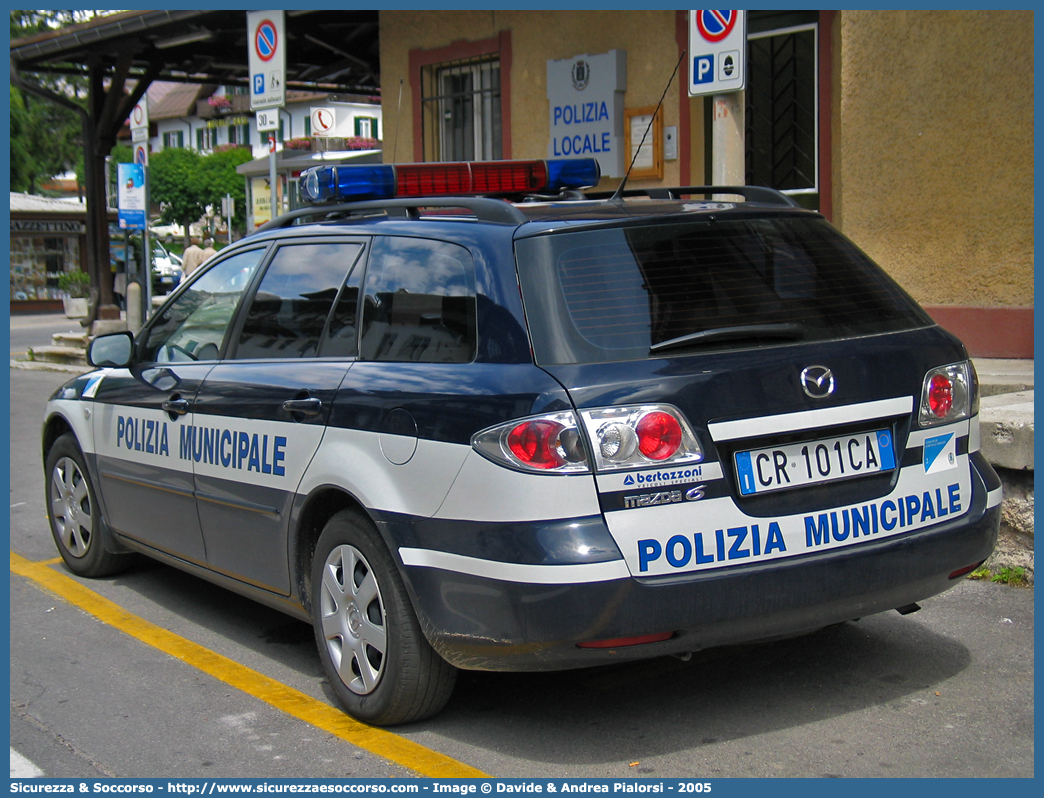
(717, 51)
(266, 53)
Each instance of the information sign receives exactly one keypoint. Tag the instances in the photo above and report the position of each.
(717, 52)
(266, 53)
(267, 119)
(131, 193)
(323, 122)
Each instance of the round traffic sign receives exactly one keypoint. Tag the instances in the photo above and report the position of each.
(715, 25)
(138, 114)
(266, 40)
(322, 120)
(141, 155)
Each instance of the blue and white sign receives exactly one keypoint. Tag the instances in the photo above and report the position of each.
(940, 453)
(586, 97)
(131, 193)
(266, 54)
(717, 52)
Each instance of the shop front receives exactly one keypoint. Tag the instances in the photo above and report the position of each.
(48, 239)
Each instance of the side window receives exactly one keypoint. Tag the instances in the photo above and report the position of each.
(193, 327)
(342, 335)
(419, 303)
(287, 315)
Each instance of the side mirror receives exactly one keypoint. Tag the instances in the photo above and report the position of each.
(112, 350)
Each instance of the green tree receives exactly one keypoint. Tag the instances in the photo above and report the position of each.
(46, 139)
(185, 183)
(23, 165)
(220, 174)
(178, 183)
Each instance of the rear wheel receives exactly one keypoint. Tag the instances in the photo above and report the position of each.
(72, 508)
(373, 651)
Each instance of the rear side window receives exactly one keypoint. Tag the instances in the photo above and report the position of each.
(419, 302)
(287, 315)
(635, 292)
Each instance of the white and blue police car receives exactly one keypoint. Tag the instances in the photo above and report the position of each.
(470, 416)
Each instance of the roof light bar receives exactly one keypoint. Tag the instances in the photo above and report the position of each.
(370, 182)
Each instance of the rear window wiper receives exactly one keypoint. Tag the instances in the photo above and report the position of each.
(744, 332)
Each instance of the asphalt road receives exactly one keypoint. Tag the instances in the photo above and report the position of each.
(945, 692)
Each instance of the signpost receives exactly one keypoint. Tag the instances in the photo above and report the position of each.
(324, 122)
(139, 125)
(717, 52)
(266, 54)
(267, 119)
(717, 66)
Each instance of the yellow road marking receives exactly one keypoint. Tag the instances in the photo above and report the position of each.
(392, 747)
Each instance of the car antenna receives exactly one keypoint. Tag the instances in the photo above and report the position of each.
(619, 191)
(398, 114)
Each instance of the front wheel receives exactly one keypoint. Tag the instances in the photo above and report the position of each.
(378, 661)
(77, 525)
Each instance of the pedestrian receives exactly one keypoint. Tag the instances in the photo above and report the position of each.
(192, 258)
(208, 249)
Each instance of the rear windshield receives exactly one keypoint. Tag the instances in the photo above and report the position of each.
(659, 290)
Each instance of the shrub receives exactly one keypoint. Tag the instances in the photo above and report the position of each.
(76, 284)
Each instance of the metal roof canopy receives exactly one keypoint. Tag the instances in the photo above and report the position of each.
(328, 50)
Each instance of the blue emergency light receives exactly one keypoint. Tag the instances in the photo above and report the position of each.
(387, 181)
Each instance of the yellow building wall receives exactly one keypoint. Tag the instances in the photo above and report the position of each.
(933, 150)
(932, 126)
(648, 37)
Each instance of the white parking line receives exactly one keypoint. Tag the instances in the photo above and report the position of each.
(22, 768)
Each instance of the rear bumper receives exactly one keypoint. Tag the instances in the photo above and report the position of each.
(483, 623)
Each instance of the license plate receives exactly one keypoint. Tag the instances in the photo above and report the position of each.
(811, 462)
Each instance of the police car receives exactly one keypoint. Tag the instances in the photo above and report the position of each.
(470, 416)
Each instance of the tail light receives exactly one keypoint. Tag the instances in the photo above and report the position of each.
(643, 435)
(620, 437)
(949, 393)
(549, 444)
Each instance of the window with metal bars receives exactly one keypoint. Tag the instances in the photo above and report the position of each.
(460, 102)
(782, 107)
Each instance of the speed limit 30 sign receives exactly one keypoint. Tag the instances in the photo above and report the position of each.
(717, 52)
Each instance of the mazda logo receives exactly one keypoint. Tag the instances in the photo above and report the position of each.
(817, 382)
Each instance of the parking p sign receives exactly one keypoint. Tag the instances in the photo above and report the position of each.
(266, 55)
(717, 52)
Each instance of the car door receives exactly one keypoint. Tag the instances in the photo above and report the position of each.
(261, 412)
(143, 417)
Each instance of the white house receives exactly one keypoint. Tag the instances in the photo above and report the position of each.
(204, 117)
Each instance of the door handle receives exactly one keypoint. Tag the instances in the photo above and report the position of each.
(176, 406)
(311, 406)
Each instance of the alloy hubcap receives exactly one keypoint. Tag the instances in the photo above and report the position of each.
(71, 507)
(353, 619)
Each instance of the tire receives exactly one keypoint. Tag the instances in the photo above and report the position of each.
(79, 531)
(375, 655)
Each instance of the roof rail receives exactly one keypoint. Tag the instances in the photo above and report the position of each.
(769, 196)
(484, 208)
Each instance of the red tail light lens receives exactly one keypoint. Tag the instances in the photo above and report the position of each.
(949, 393)
(535, 443)
(634, 436)
(623, 642)
(659, 435)
(940, 395)
(549, 444)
